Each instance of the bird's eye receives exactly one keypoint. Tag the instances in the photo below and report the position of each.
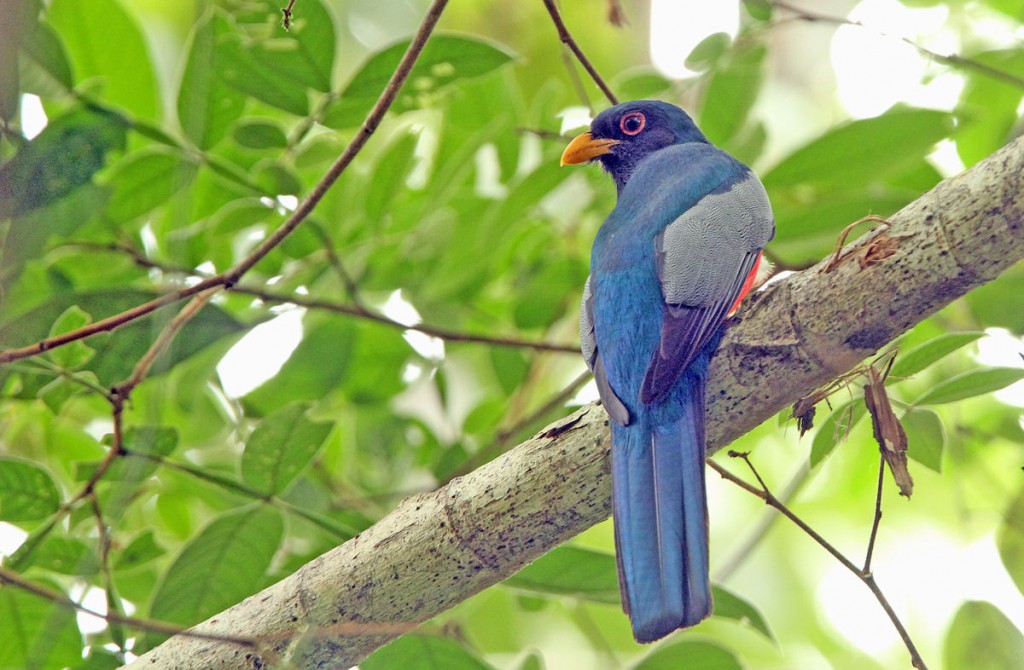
(632, 123)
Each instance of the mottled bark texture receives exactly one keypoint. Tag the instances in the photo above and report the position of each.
(438, 549)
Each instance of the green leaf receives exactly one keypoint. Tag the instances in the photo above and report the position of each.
(731, 606)
(510, 367)
(861, 152)
(926, 437)
(259, 58)
(533, 661)
(708, 51)
(74, 354)
(423, 652)
(145, 441)
(141, 550)
(989, 104)
(835, 428)
(260, 134)
(760, 10)
(225, 563)
(146, 179)
(970, 384)
(277, 179)
(207, 105)
(62, 158)
(983, 638)
(1010, 540)
(259, 80)
(731, 91)
(641, 84)
(37, 633)
(303, 53)
(390, 175)
(27, 491)
(444, 60)
(318, 365)
(378, 358)
(63, 555)
(997, 303)
(571, 571)
(104, 42)
(702, 655)
(911, 362)
(145, 445)
(15, 21)
(280, 447)
(45, 69)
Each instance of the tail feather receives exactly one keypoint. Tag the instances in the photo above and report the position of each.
(661, 524)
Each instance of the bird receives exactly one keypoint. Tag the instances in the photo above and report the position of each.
(675, 257)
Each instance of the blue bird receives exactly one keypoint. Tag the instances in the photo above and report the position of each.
(673, 259)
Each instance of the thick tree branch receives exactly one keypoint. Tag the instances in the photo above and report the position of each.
(437, 549)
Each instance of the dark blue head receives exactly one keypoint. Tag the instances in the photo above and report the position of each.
(624, 135)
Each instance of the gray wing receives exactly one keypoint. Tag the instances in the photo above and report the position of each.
(588, 345)
(703, 259)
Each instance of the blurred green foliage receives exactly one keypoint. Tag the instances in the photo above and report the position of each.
(179, 135)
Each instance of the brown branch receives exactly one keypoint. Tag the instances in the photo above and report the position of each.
(567, 39)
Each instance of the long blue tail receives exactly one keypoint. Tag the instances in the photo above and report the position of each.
(661, 522)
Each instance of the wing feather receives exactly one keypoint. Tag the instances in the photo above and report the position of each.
(703, 259)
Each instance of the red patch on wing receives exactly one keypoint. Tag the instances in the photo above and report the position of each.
(747, 285)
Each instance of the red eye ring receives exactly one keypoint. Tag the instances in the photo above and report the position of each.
(633, 123)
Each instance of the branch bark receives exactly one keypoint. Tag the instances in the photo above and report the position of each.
(438, 549)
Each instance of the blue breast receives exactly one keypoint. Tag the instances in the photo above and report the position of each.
(628, 301)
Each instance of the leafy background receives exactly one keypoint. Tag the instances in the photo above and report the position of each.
(168, 157)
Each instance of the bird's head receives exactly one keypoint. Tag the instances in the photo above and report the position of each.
(621, 137)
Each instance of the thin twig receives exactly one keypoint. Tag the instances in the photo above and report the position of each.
(351, 287)
(765, 494)
(14, 579)
(434, 331)
(566, 37)
(950, 59)
(326, 524)
(878, 516)
(113, 601)
(357, 309)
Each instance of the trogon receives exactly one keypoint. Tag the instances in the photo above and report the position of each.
(673, 259)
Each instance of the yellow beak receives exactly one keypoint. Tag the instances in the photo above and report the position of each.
(584, 148)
